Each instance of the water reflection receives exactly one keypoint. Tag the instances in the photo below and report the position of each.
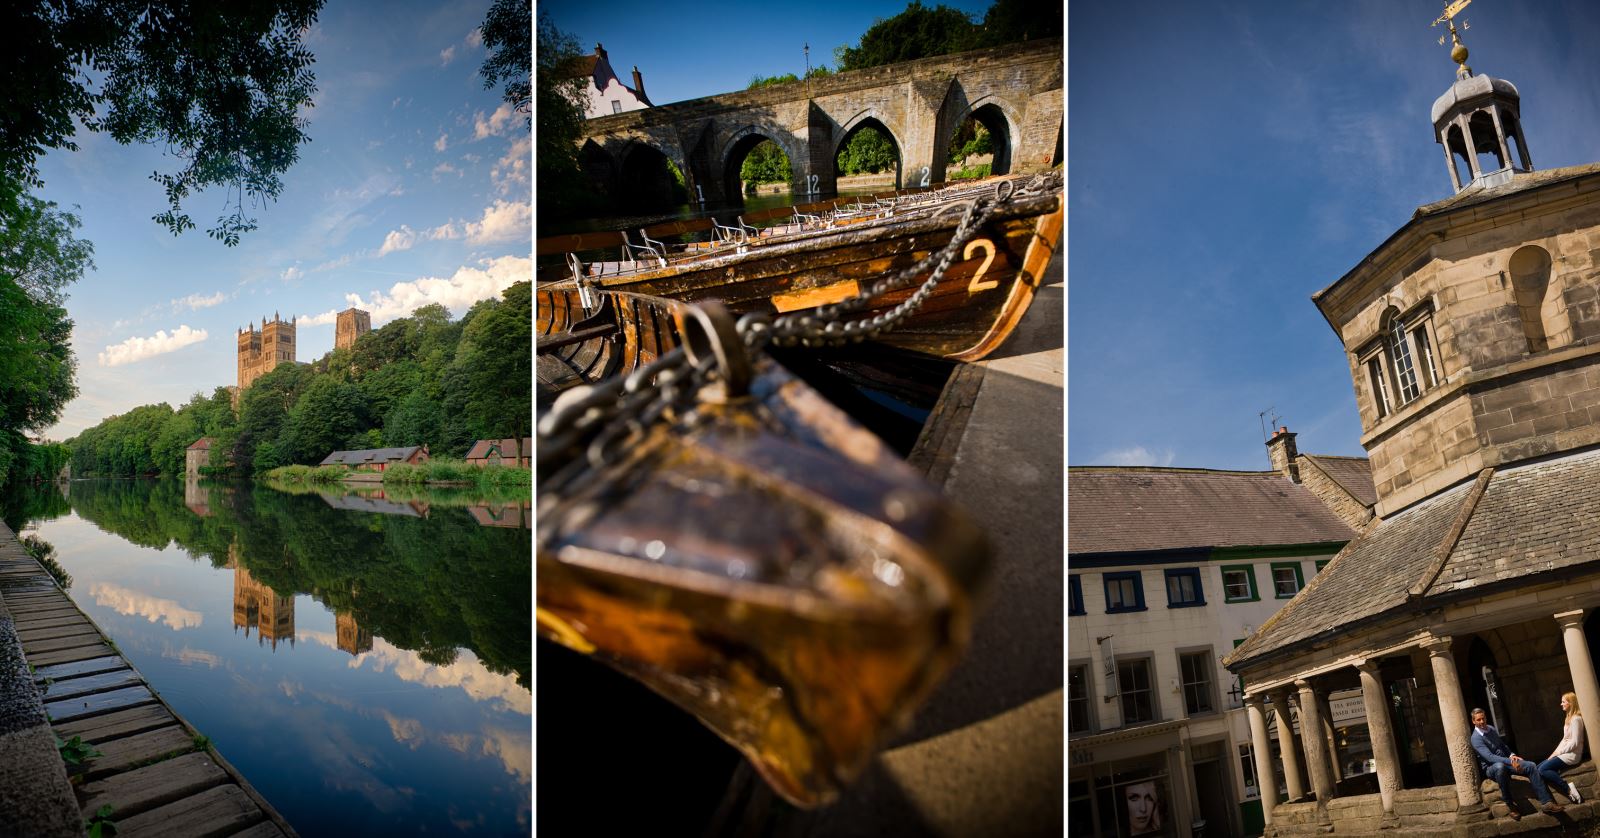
(392, 656)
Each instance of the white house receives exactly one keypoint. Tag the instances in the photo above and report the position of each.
(607, 94)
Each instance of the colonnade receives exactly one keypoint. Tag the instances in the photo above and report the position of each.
(1312, 744)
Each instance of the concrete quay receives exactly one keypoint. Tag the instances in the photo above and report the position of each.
(61, 677)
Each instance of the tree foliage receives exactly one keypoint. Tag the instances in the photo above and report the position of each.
(867, 150)
(418, 380)
(923, 32)
(507, 35)
(221, 85)
(766, 163)
(563, 188)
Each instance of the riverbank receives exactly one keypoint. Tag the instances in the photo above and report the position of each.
(141, 766)
(441, 472)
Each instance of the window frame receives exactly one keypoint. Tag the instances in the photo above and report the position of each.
(1154, 697)
(1408, 337)
(1299, 579)
(1092, 725)
(1250, 576)
(1192, 573)
(1208, 661)
(1075, 595)
(1134, 576)
(1321, 563)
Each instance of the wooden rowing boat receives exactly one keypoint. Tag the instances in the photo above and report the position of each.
(970, 312)
(750, 554)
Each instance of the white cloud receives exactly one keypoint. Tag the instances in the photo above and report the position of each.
(511, 171)
(440, 144)
(1137, 456)
(446, 169)
(505, 221)
(467, 286)
(466, 674)
(494, 124)
(292, 273)
(138, 349)
(398, 240)
(447, 55)
(475, 38)
(195, 302)
(135, 604)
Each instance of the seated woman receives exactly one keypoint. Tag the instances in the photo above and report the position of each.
(1567, 753)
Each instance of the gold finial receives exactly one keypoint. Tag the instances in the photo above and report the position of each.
(1458, 52)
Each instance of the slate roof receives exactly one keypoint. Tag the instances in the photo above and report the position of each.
(508, 448)
(370, 455)
(1129, 509)
(382, 506)
(1531, 520)
(1353, 474)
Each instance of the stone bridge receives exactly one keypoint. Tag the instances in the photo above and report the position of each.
(1014, 91)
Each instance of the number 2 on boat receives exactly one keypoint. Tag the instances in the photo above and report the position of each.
(924, 175)
(978, 283)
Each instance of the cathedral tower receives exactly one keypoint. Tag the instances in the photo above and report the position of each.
(351, 323)
(262, 351)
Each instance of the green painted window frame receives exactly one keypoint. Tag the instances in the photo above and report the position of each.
(1299, 579)
(1249, 573)
(1322, 563)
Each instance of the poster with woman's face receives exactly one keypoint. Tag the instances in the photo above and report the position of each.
(1143, 801)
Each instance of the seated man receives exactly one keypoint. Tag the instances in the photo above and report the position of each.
(1499, 763)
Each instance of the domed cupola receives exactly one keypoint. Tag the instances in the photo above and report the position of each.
(1479, 115)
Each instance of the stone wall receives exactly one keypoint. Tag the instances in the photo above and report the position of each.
(1333, 495)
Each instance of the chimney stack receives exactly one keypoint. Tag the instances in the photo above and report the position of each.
(600, 51)
(638, 84)
(1283, 453)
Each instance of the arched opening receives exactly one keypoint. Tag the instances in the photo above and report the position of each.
(868, 149)
(1460, 164)
(754, 160)
(1530, 281)
(1486, 143)
(981, 145)
(1519, 155)
(598, 166)
(1481, 687)
(649, 181)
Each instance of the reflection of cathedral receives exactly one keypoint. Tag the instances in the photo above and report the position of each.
(352, 637)
(258, 606)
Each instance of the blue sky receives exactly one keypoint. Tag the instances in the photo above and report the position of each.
(1228, 160)
(414, 189)
(685, 51)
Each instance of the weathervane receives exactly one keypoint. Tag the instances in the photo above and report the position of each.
(1458, 53)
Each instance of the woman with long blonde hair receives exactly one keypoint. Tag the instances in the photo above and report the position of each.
(1569, 752)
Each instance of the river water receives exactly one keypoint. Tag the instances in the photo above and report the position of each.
(364, 660)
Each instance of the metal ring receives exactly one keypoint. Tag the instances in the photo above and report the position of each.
(709, 334)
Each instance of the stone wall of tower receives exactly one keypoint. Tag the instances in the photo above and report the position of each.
(261, 351)
(350, 324)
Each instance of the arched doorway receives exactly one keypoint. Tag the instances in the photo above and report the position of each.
(598, 166)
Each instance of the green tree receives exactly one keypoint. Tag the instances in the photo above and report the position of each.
(867, 150)
(564, 190)
(498, 366)
(766, 163)
(221, 85)
(418, 420)
(757, 82)
(327, 417)
(506, 35)
(917, 32)
(1009, 21)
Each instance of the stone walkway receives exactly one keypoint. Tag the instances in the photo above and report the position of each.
(158, 775)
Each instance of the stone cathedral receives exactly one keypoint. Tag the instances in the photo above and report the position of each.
(262, 350)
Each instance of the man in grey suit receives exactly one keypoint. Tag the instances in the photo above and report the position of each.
(1499, 763)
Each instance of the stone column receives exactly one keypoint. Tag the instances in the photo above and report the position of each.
(1266, 781)
(1472, 148)
(1450, 161)
(1457, 727)
(1500, 137)
(1583, 678)
(1286, 744)
(1316, 746)
(1330, 736)
(1381, 732)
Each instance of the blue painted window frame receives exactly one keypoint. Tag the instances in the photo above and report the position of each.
(1075, 596)
(1138, 591)
(1199, 591)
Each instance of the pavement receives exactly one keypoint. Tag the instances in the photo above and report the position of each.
(984, 756)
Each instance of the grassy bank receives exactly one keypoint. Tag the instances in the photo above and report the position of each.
(457, 472)
(306, 474)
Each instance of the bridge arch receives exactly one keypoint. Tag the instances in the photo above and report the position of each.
(599, 165)
(1003, 121)
(739, 145)
(869, 118)
(643, 179)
